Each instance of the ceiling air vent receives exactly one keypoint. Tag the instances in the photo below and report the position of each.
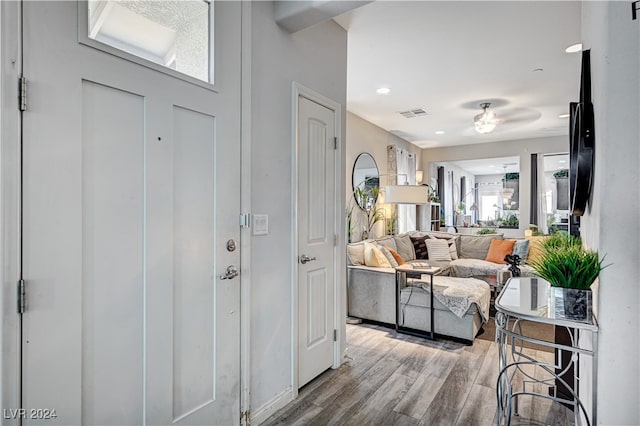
(411, 113)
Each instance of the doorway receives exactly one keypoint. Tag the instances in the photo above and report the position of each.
(318, 183)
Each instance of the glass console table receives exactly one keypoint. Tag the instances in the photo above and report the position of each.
(530, 299)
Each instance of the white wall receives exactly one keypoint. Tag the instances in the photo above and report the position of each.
(612, 223)
(522, 148)
(363, 136)
(316, 58)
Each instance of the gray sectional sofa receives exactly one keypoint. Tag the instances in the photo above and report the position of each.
(371, 289)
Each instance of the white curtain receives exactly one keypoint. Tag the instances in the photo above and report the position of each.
(403, 164)
(542, 196)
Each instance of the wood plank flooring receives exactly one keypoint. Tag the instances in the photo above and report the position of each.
(395, 379)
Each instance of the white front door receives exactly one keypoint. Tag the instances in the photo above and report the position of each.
(131, 192)
(317, 191)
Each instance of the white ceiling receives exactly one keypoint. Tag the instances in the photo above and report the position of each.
(448, 57)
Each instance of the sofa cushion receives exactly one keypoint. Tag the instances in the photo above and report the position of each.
(388, 241)
(420, 247)
(405, 247)
(355, 253)
(498, 249)
(438, 249)
(374, 257)
(473, 268)
(476, 246)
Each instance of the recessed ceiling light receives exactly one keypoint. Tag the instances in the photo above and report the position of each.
(383, 91)
(563, 116)
(574, 48)
(439, 132)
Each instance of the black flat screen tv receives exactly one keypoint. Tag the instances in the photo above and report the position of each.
(582, 142)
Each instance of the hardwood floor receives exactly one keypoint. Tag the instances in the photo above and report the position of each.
(395, 379)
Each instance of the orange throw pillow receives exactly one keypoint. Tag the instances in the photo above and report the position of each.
(395, 255)
(499, 249)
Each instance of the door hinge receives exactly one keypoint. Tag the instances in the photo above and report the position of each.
(335, 335)
(22, 93)
(245, 220)
(335, 142)
(21, 296)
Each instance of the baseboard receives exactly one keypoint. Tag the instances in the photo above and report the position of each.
(266, 410)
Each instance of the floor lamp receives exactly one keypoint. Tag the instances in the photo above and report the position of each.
(418, 195)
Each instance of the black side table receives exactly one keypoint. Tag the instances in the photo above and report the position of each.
(401, 282)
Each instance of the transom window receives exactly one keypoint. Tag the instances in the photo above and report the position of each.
(173, 33)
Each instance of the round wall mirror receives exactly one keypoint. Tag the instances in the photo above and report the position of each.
(365, 181)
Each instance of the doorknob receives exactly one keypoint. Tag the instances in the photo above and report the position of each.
(230, 273)
(306, 259)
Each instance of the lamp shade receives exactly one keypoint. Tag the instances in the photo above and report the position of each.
(406, 194)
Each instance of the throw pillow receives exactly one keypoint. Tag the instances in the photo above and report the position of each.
(453, 245)
(420, 247)
(395, 255)
(521, 248)
(374, 257)
(392, 261)
(438, 249)
(453, 249)
(498, 250)
(535, 247)
(405, 247)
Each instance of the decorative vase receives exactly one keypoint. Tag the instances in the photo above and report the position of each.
(574, 304)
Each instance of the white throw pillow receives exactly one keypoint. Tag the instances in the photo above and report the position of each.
(388, 255)
(453, 246)
(437, 249)
(374, 257)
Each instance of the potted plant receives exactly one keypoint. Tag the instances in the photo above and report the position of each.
(460, 210)
(366, 198)
(391, 224)
(486, 231)
(570, 269)
(510, 221)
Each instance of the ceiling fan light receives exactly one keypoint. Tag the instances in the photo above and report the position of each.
(485, 122)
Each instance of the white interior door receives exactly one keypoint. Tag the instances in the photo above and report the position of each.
(131, 192)
(316, 238)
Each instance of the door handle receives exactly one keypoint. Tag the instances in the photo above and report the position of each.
(230, 273)
(306, 259)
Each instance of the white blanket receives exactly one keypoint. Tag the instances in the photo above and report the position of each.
(457, 294)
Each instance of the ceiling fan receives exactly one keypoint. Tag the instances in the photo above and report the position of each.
(488, 121)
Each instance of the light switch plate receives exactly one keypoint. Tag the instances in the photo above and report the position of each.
(260, 224)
